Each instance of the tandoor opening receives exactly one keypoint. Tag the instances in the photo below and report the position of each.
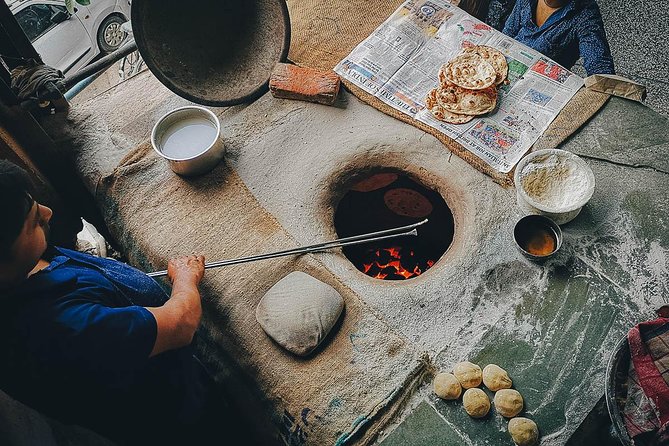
(386, 200)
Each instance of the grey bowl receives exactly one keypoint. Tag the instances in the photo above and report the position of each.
(533, 221)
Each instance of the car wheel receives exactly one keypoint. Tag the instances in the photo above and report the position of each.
(110, 34)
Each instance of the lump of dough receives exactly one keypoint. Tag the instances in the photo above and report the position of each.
(496, 378)
(447, 386)
(468, 374)
(524, 432)
(508, 402)
(476, 403)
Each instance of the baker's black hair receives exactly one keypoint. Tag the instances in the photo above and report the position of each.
(16, 200)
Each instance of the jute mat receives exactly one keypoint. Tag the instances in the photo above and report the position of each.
(323, 33)
(341, 394)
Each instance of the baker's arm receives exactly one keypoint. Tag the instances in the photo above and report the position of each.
(593, 44)
(180, 316)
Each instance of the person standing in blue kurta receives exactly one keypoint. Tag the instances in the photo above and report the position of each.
(563, 30)
(93, 341)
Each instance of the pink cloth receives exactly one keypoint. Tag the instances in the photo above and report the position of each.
(647, 405)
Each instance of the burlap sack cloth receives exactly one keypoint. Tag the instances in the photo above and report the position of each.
(323, 33)
(342, 393)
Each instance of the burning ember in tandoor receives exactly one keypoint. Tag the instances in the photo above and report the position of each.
(392, 264)
(390, 199)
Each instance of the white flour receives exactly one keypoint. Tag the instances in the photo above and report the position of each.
(555, 182)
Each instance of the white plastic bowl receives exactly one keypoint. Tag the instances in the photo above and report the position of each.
(565, 184)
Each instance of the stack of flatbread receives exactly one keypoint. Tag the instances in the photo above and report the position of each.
(468, 85)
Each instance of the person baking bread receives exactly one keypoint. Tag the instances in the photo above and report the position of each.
(563, 30)
(93, 341)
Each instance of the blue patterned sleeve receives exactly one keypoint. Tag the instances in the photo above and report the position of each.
(498, 12)
(513, 23)
(592, 43)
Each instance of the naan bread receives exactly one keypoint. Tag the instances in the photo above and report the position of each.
(441, 113)
(494, 58)
(407, 203)
(463, 101)
(469, 70)
(375, 182)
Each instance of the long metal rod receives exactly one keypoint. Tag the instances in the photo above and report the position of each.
(97, 66)
(347, 241)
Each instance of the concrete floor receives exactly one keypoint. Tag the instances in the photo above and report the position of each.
(638, 32)
(637, 35)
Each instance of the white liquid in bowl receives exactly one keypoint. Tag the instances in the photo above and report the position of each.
(188, 138)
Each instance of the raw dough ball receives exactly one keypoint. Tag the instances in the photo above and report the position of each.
(524, 431)
(468, 374)
(496, 378)
(476, 403)
(508, 402)
(447, 386)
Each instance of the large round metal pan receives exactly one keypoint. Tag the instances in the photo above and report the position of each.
(616, 378)
(212, 52)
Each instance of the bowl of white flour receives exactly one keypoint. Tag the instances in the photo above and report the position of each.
(554, 183)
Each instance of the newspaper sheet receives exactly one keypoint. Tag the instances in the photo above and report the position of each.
(399, 63)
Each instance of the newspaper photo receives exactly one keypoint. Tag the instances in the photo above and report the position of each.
(399, 64)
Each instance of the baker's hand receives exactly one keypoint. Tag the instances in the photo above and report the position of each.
(179, 317)
(186, 268)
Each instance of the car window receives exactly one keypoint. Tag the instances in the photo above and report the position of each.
(35, 20)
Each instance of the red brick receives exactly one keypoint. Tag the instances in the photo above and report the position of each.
(304, 84)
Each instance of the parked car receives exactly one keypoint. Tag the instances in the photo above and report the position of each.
(67, 41)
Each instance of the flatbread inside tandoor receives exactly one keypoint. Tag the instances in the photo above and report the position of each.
(375, 182)
(408, 203)
(469, 70)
